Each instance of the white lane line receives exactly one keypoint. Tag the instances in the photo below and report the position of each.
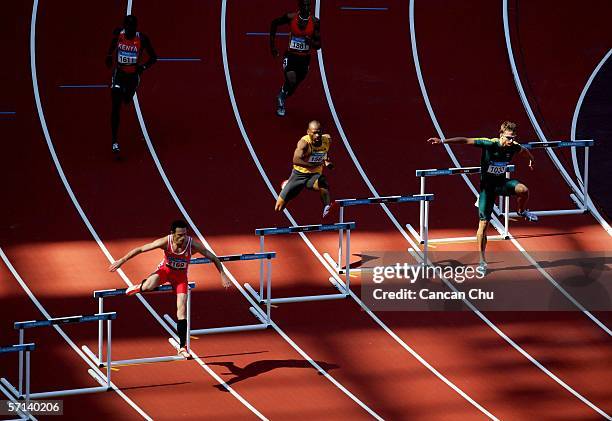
(456, 162)
(534, 122)
(79, 209)
(72, 345)
(585, 89)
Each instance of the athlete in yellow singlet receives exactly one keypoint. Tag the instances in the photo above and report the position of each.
(309, 159)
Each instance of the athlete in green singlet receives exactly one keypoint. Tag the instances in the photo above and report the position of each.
(496, 155)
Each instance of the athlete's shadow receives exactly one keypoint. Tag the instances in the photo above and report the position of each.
(263, 366)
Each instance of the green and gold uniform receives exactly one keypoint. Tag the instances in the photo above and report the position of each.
(493, 182)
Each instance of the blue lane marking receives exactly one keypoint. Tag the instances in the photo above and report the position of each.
(265, 34)
(382, 9)
(83, 86)
(179, 59)
(8, 112)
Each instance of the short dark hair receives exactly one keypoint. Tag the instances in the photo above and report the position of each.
(179, 223)
(508, 125)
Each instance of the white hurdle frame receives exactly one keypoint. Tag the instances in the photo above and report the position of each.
(264, 323)
(581, 203)
(423, 199)
(105, 384)
(267, 298)
(502, 208)
(98, 360)
(21, 348)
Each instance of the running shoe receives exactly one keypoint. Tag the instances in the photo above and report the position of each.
(327, 209)
(528, 216)
(184, 353)
(134, 289)
(482, 266)
(116, 147)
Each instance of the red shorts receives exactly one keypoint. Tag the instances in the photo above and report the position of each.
(176, 278)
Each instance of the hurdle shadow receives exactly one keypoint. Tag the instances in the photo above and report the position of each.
(257, 368)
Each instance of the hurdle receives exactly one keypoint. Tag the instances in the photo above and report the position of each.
(105, 384)
(501, 208)
(21, 348)
(299, 229)
(581, 202)
(98, 359)
(264, 322)
(422, 198)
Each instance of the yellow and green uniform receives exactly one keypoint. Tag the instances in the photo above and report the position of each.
(493, 182)
(318, 154)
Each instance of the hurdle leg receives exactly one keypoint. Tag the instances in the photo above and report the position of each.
(261, 268)
(425, 231)
(100, 328)
(27, 376)
(585, 178)
(348, 262)
(188, 339)
(269, 292)
(340, 239)
(108, 353)
(506, 217)
(421, 209)
(20, 389)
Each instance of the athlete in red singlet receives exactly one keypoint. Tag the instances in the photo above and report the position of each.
(178, 248)
(304, 36)
(126, 51)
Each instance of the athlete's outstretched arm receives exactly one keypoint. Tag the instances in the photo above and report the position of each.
(157, 244)
(200, 248)
(301, 152)
(282, 20)
(148, 47)
(525, 153)
(453, 140)
(111, 48)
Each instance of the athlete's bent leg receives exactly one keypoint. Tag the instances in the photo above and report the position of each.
(150, 283)
(522, 196)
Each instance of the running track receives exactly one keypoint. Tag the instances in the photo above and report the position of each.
(191, 123)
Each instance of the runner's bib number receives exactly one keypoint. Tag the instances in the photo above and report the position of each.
(299, 44)
(177, 264)
(317, 157)
(497, 168)
(127, 57)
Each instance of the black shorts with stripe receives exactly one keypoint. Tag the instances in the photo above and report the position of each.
(125, 83)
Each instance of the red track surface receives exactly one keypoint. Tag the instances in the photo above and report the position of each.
(190, 120)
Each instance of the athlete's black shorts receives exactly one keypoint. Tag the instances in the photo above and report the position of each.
(125, 83)
(296, 63)
(296, 183)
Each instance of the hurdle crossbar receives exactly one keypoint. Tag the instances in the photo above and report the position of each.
(264, 322)
(299, 229)
(422, 198)
(581, 198)
(24, 348)
(99, 358)
(501, 208)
